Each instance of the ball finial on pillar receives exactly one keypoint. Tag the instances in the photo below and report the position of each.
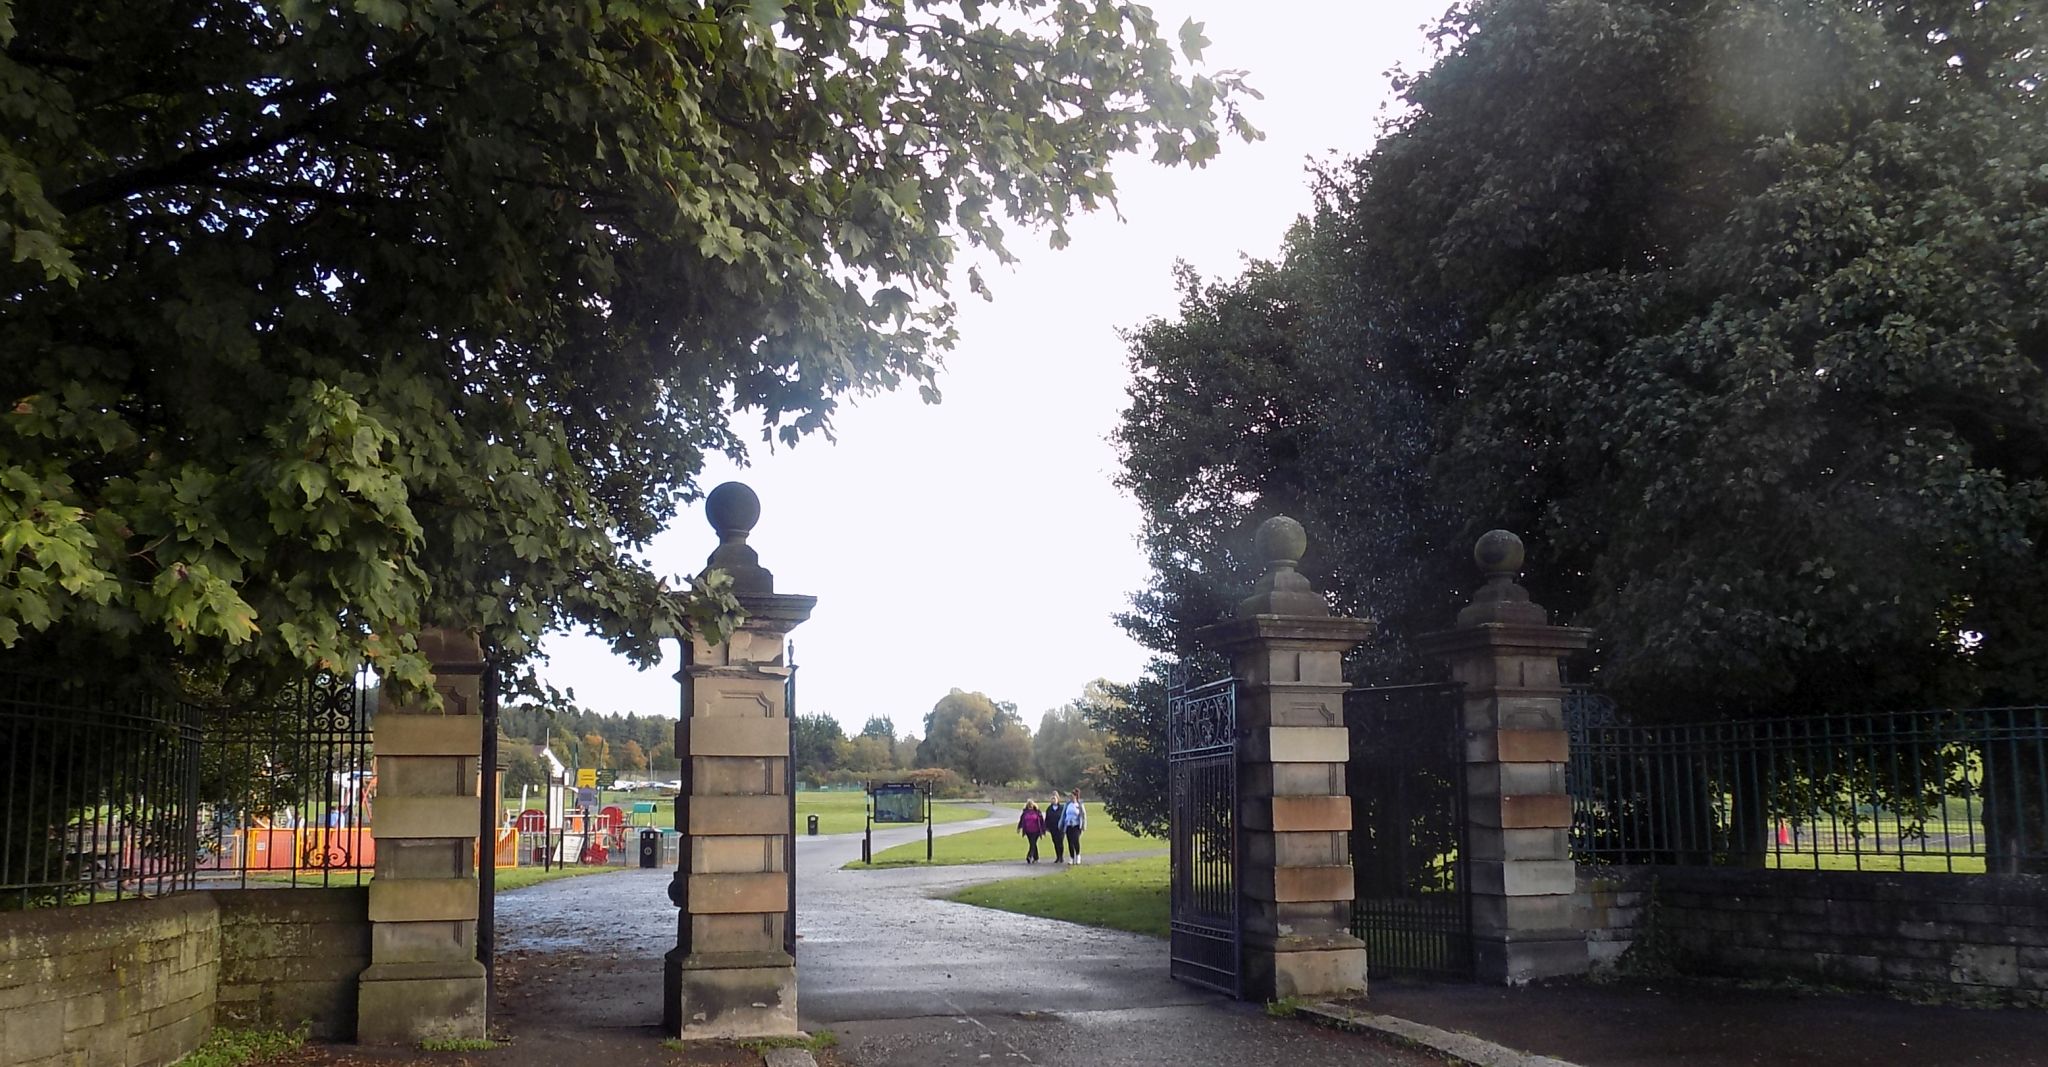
(1281, 542)
(733, 508)
(1498, 553)
(1282, 590)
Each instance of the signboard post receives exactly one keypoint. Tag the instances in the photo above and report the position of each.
(898, 802)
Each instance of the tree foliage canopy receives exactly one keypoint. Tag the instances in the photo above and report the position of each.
(982, 740)
(1067, 749)
(1131, 720)
(328, 320)
(815, 748)
(1736, 311)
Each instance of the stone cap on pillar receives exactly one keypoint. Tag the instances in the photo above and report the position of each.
(1283, 605)
(733, 509)
(1282, 590)
(1501, 613)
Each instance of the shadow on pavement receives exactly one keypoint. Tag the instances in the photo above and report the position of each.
(1684, 1024)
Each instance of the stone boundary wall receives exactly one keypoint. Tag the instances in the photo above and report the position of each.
(130, 982)
(291, 957)
(139, 983)
(1973, 937)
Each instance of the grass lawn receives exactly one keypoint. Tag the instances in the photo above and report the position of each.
(1874, 861)
(842, 812)
(510, 878)
(1127, 895)
(1000, 844)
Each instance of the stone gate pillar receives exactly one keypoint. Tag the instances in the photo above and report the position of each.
(1294, 878)
(424, 980)
(1526, 922)
(729, 975)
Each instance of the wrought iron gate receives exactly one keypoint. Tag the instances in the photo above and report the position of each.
(1201, 769)
(1407, 784)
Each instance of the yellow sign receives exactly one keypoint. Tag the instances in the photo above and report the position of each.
(586, 778)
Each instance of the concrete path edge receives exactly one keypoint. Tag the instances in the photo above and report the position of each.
(1460, 1048)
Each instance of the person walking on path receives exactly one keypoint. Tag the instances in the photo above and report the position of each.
(1074, 821)
(1055, 812)
(1031, 824)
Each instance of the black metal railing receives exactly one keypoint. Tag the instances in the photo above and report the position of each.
(1961, 791)
(110, 791)
(98, 791)
(288, 783)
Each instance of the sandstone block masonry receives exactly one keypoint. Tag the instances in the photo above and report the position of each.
(139, 983)
(1505, 654)
(292, 956)
(1295, 878)
(731, 974)
(130, 982)
(1976, 938)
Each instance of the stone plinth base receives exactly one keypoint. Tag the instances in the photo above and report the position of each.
(1521, 959)
(406, 1003)
(1299, 967)
(736, 995)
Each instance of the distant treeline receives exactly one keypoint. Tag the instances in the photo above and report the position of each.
(979, 742)
(629, 743)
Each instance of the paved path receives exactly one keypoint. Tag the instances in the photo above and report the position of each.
(906, 979)
(902, 978)
(1636, 1023)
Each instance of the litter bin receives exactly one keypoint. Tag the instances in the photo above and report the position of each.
(650, 848)
(813, 825)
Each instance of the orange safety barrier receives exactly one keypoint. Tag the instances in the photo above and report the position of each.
(309, 848)
(313, 848)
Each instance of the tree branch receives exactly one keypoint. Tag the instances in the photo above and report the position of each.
(187, 167)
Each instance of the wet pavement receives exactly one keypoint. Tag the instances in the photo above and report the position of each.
(1673, 1023)
(900, 977)
(905, 979)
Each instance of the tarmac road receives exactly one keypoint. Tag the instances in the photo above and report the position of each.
(906, 979)
(900, 977)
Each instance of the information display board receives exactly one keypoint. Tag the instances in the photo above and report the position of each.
(898, 802)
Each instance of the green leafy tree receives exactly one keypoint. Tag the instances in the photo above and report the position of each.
(1283, 391)
(1132, 722)
(1733, 310)
(1730, 308)
(904, 751)
(980, 739)
(1066, 750)
(1777, 402)
(329, 320)
(523, 771)
(866, 755)
(880, 726)
(816, 746)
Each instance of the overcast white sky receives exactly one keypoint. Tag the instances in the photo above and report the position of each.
(982, 543)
